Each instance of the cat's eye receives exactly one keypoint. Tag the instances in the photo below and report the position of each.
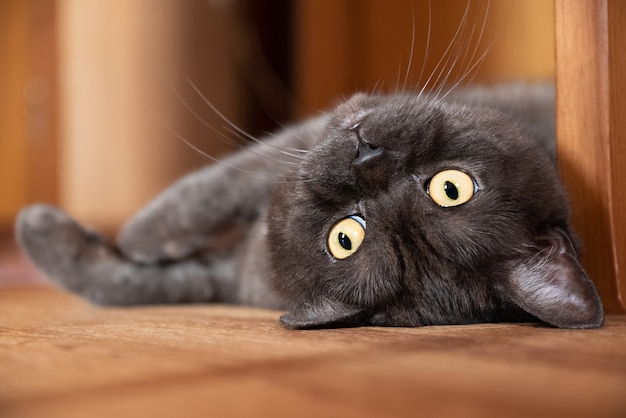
(346, 236)
(451, 188)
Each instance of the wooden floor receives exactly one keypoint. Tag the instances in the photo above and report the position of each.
(61, 357)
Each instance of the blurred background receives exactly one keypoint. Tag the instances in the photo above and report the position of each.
(95, 95)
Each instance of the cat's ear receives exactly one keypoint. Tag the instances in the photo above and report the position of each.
(552, 286)
(323, 313)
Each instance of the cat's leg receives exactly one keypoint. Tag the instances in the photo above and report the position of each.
(189, 214)
(83, 262)
(203, 204)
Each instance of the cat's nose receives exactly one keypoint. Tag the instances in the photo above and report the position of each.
(367, 154)
(371, 165)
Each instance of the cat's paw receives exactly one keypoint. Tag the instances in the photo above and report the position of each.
(57, 244)
(41, 229)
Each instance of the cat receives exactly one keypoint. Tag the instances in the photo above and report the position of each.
(398, 209)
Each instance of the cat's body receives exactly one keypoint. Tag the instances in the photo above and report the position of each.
(389, 210)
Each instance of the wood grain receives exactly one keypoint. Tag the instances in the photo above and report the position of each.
(60, 357)
(591, 103)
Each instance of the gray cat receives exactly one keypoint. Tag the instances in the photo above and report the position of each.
(390, 210)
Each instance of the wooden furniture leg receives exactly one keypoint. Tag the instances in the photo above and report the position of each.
(591, 129)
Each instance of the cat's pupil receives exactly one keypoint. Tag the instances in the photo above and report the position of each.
(344, 241)
(451, 191)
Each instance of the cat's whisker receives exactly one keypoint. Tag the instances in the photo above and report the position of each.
(280, 150)
(189, 108)
(428, 42)
(190, 145)
(238, 133)
(472, 62)
(196, 149)
(300, 138)
(482, 31)
(301, 151)
(459, 55)
(234, 128)
(461, 60)
(226, 139)
(398, 75)
(378, 86)
(261, 152)
(254, 175)
(307, 139)
(221, 115)
(445, 56)
(410, 63)
(471, 71)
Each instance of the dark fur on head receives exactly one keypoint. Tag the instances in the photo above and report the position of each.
(420, 263)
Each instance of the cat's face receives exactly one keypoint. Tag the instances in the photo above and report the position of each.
(413, 212)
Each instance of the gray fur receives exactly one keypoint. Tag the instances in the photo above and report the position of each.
(252, 229)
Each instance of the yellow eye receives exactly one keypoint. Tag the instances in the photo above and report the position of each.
(346, 236)
(451, 188)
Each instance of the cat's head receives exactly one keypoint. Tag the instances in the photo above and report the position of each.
(416, 212)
